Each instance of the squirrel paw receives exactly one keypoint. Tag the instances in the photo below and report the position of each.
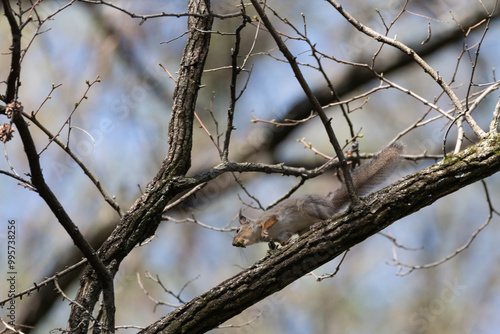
(272, 245)
(265, 234)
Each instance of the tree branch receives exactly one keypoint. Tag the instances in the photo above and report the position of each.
(422, 63)
(143, 218)
(314, 101)
(15, 64)
(355, 77)
(322, 245)
(38, 181)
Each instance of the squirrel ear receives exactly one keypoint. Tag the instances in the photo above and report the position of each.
(243, 219)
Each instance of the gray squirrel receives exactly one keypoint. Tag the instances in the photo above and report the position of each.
(297, 215)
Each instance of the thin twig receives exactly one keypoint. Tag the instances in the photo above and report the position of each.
(309, 146)
(479, 43)
(48, 97)
(157, 15)
(208, 133)
(330, 275)
(411, 268)
(110, 200)
(287, 122)
(169, 75)
(129, 326)
(47, 281)
(397, 244)
(11, 328)
(425, 66)
(195, 221)
(157, 302)
(235, 71)
(89, 85)
(72, 301)
(25, 182)
(243, 324)
(184, 197)
(288, 194)
(485, 93)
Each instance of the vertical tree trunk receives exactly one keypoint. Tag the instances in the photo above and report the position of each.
(143, 218)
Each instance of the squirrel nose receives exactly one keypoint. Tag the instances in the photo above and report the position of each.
(238, 243)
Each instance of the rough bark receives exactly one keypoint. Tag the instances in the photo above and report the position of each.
(320, 246)
(143, 218)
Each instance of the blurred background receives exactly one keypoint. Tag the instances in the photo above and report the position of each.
(120, 133)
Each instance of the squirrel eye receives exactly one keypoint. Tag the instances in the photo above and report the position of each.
(238, 230)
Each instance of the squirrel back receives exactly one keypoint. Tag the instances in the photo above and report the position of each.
(296, 215)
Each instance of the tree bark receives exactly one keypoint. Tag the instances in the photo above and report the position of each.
(143, 218)
(320, 246)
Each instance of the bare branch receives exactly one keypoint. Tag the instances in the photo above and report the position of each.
(411, 268)
(330, 275)
(355, 201)
(162, 14)
(195, 221)
(38, 180)
(321, 245)
(422, 63)
(110, 200)
(235, 71)
(143, 218)
(47, 281)
(68, 119)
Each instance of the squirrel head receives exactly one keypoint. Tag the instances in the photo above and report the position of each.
(248, 233)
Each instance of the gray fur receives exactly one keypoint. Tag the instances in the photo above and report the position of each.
(297, 214)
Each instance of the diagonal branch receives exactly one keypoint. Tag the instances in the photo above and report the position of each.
(143, 218)
(73, 156)
(320, 246)
(314, 101)
(38, 181)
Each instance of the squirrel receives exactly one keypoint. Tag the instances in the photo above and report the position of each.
(297, 215)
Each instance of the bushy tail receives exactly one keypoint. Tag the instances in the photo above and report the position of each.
(370, 174)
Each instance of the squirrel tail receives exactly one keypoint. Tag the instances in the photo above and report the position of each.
(370, 174)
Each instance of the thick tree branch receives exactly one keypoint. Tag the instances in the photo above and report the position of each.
(143, 218)
(15, 65)
(320, 246)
